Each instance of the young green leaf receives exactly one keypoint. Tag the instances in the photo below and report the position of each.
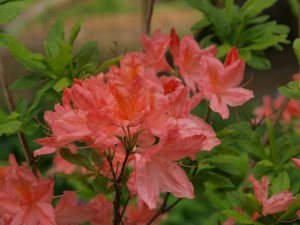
(108, 63)
(60, 61)
(21, 53)
(55, 39)
(296, 47)
(61, 84)
(75, 30)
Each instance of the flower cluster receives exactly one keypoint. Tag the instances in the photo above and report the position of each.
(136, 115)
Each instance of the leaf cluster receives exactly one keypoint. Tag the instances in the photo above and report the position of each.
(242, 27)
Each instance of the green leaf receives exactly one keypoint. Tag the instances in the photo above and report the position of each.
(198, 184)
(25, 82)
(200, 24)
(10, 127)
(242, 136)
(223, 50)
(252, 203)
(38, 96)
(280, 183)
(104, 66)
(215, 179)
(259, 19)
(296, 47)
(21, 53)
(77, 159)
(254, 7)
(96, 158)
(262, 168)
(10, 10)
(100, 184)
(61, 84)
(259, 62)
(272, 145)
(229, 164)
(60, 61)
(75, 30)
(291, 91)
(87, 58)
(55, 39)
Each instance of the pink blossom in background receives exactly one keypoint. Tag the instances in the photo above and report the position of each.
(270, 106)
(296, 162)
(219, 83)
(103, 209)
(266, 110)
(278, 202)
(140, 214)
(24, 199)
(69, 212)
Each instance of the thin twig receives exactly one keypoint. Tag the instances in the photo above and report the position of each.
(10, 105)
(149, 15)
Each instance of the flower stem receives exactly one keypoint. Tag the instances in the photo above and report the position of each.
(10, 105)
(149, 15)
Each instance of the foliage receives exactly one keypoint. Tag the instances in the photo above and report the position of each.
(242, 27)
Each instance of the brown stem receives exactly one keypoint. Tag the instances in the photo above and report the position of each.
(149, 15)
(10, 105)
(164, 209)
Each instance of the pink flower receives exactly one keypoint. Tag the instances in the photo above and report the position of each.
(155, 169)
(187, 55)
(219, 83)
(296, 162)
(69, 212)
(67, 126)
(104, 209)
(139, 214)
(279, 202)
(265, 110)
(25, 199)
(155, 174)
(156, 48)
(292, 109)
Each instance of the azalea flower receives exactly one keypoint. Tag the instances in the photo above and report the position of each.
(25, 199)
(155, 48)
(103, 209)
(269, 107)
(279, 202)
(219, 82)
(187, 55)
(140, 214)
(69, 212)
